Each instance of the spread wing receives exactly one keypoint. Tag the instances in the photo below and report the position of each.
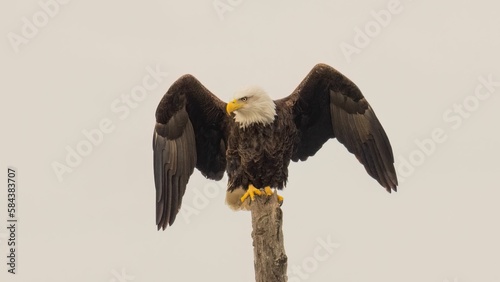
(190, 132)
(328, 105)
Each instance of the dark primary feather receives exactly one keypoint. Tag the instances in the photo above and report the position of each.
(328, 105)
(190, 132)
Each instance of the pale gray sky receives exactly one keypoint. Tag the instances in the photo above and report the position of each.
(429, 69)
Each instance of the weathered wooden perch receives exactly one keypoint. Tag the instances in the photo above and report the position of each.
(270, 260)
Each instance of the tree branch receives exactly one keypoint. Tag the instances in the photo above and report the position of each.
(270, 260)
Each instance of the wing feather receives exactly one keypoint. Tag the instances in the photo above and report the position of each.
(328, 105)
(190, 128)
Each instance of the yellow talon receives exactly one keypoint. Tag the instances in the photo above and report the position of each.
(269, 192)
(280, 198)
(252, 191)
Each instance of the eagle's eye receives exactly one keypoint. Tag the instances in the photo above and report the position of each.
(243, 99)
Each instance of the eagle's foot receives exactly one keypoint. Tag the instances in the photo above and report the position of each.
(251, 191)
(270, 192)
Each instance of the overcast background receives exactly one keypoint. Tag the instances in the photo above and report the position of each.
(67, 68)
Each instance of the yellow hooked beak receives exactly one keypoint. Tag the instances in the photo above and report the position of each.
(233, 106)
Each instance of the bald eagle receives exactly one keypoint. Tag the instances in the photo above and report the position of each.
(253, 138)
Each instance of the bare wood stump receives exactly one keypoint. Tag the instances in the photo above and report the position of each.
(270, 260)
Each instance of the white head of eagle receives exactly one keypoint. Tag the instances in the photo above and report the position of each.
(252, 105)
